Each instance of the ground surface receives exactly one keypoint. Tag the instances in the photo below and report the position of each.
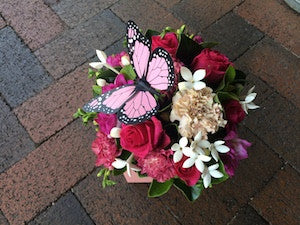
(46, 166)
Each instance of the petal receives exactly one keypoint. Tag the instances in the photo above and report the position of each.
(175, 147)
(198, 136)
(213, 167)
(216, 173)
(119, 163)
(199, 151)
(128, 170)
(177, 156)
(199, 85)
(125, 60)
(199, 75)
(206, 180)
(199, 165)
(183, 142)
(222, 148)
(186, 74)
(250, 97)
(215, 154)
(135, 167)
(204, 144)
(216, 143)
(188, 152)
(96, 65)
(188, 163)
(252, 106)
(244, 106)
(101, 55)
(115, 132)
(101, 82)
(204, 158)
(185, 85)
(250, 90)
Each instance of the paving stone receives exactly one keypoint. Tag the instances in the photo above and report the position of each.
(76, 45)
(34, 21)
(275, 65)
(219, 204)
(2, 22)
(199, 14)
(51, 2)
(47, 172)
(279, 201)
(149, 15)
(276, 20)
(233, 33)
(248, 216)
(3, 220)
(133, 207)
(168, 3)
(73, 12)
(48, 112)
(115, 48)
(66, 211)
(14, 141)
(22, 76)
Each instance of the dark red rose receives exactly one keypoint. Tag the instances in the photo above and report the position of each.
(189, 175)
(213, 62)
(169, 42)
(142, 138)
(234, 111)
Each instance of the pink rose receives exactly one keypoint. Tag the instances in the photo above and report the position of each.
(158, 165)
(234, 111)
(213, 62)
(105, 150)
(169, 42)
(189, 175)
(106, 122)
(119, 81)
(115, 60)
(144, 137)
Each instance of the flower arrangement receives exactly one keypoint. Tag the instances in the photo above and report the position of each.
(168, 109)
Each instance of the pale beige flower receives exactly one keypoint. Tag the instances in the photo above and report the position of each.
(196, 111)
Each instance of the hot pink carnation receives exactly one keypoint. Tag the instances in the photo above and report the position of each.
(105, 149)
(115, 60)
(106, 122)
(158, 165)
(119, 81)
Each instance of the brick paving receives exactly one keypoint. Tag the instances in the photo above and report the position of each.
(46, 165)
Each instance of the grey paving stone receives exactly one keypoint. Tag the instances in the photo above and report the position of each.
(66, 211)
(3, 220)
(51, 2)
(21, 74)
(14, 140)
(73, 12)
(75, 46)
(248, 216)
(233, 33)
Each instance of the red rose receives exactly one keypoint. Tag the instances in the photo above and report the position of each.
(143, 137)
(213, 62)
(189, 175)
(234, 111)
(169, 42)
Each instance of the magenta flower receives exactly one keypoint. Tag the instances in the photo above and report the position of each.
(115, 60)
(119, 81)
(198, 39)
(238, 151)
(106, 122)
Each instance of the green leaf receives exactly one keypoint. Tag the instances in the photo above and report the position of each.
(85, 116)
(222, 170)
(226, 96)
(117, 172)
(191, 193)
(157, 189)
(208, 44)
(107, 75)
(101, 172)
(216, 99)
(230, 74)
(97, 90)
(128, 72)
(91, 73)
(187, 49)
(150, 33)
(125, 154)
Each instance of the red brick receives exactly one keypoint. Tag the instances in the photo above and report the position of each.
(149, 15)
(3, 220)
(47, 172)
(277, 20)
(34, 21)
(52, 109)
(168, 3)
(121, 204)
(275, 65)
(199, 14)
(2, 22)
(248, 216)
(279, 201)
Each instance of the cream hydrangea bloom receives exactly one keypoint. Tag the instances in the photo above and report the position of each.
(196, 111)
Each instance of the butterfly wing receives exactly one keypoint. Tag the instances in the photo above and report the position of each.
(142, 106)
(160, 73)
(112, 101)
(138, 49)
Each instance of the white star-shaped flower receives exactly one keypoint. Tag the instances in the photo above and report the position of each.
(178, 148)
(218, 146)
(120, 164)
(99, 65)
(248, 102)
(191, 80)
(209, 172)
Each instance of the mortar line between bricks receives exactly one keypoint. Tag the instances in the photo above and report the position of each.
(6, 220)
(170, 211)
